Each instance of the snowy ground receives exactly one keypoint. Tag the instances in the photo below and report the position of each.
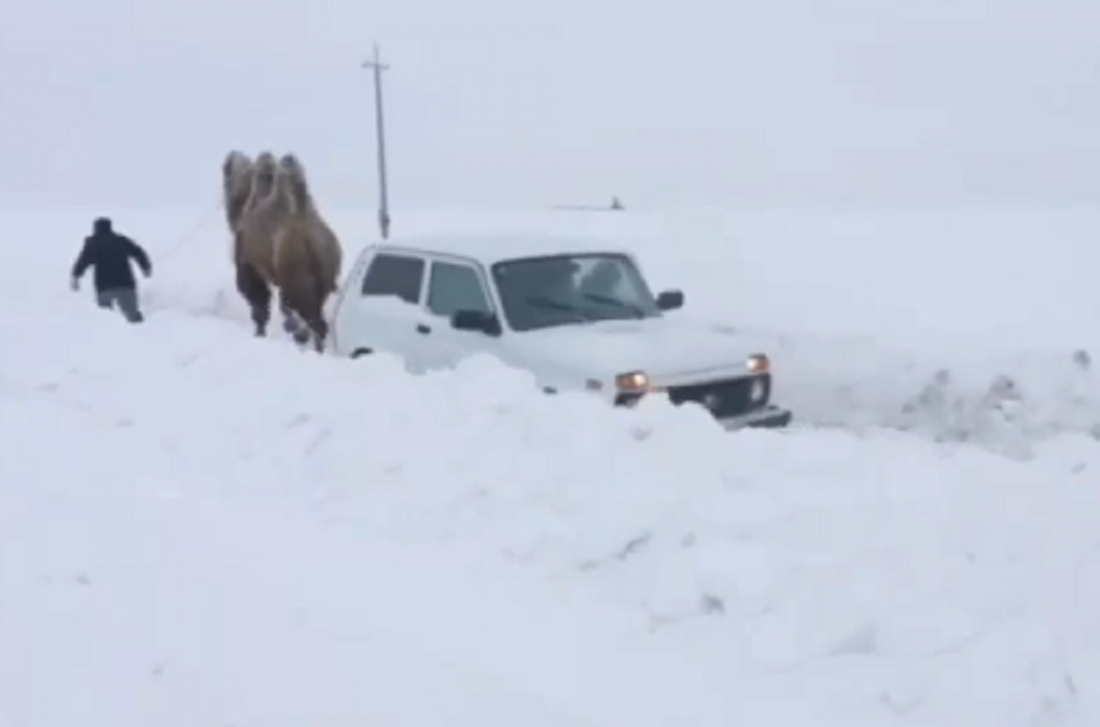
(197, 528)
(890, 319)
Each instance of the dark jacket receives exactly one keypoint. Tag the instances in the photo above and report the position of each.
(110, 254)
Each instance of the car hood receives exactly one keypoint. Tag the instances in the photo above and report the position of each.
(659, 346)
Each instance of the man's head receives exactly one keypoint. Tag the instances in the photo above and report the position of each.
(102, 226)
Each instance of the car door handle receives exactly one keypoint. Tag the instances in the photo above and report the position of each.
(421, 328)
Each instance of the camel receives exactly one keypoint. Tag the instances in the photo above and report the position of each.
(309, 251)
(280, 242)
(322, 235)
(260, 216)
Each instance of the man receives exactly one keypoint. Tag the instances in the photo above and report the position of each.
(110, 254)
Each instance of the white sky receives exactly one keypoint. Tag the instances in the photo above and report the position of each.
(694, 102)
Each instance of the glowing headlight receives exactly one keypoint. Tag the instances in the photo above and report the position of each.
(632, 381)
(758, 363)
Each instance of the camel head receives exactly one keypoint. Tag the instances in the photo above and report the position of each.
(291, 169)
(236, 165)
(236, 183)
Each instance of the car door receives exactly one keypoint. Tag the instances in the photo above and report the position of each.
(454, 285)
(384, 315)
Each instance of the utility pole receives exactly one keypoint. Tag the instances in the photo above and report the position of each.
(377, 66)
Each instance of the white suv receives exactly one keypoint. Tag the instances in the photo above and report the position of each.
(578, 315)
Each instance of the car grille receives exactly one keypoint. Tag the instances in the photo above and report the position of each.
(726, 398)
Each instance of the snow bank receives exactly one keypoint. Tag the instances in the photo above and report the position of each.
(906, 320)
(169, 554)
(198, 528)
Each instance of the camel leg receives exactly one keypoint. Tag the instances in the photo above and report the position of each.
(292, 323)
(314, 316)
(256, 291)
(320, 332)
(309, 308)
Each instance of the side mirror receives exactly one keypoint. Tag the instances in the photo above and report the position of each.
(475, 320)
(670, 300)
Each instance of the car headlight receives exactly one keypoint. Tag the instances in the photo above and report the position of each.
(758, 363)
(633, 381)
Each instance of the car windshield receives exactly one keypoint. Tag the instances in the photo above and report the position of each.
(565, 289)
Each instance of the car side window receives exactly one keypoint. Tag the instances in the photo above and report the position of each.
(454, 287)
(395, 275)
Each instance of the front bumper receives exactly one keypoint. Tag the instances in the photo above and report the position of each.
(770, 417)
(736, 403)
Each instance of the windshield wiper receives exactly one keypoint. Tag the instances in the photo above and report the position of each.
(543, 301)
(608, 300)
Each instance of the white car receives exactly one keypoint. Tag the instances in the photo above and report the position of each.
(578, 315)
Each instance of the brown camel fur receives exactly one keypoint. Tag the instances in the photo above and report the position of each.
(307, 252)
(263, 213)
(322, 236)
(283, 243)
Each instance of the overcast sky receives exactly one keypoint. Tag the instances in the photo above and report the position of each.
(518, 102)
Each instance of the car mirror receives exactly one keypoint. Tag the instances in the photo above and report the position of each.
(670, 300)
(475, 320)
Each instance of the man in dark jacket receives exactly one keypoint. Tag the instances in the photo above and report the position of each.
(110, 254)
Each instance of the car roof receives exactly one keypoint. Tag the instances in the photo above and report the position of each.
(494, 247)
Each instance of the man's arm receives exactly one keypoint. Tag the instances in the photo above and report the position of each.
(84, 260)
(140, 257)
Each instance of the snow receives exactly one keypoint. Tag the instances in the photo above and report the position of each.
(198, 528)
(861, 312)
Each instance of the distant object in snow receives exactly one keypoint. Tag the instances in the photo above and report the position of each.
(615, 206)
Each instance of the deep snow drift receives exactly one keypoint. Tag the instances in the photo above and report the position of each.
(893, 319)
(197, 528)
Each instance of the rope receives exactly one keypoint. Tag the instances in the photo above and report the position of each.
(171, 250)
